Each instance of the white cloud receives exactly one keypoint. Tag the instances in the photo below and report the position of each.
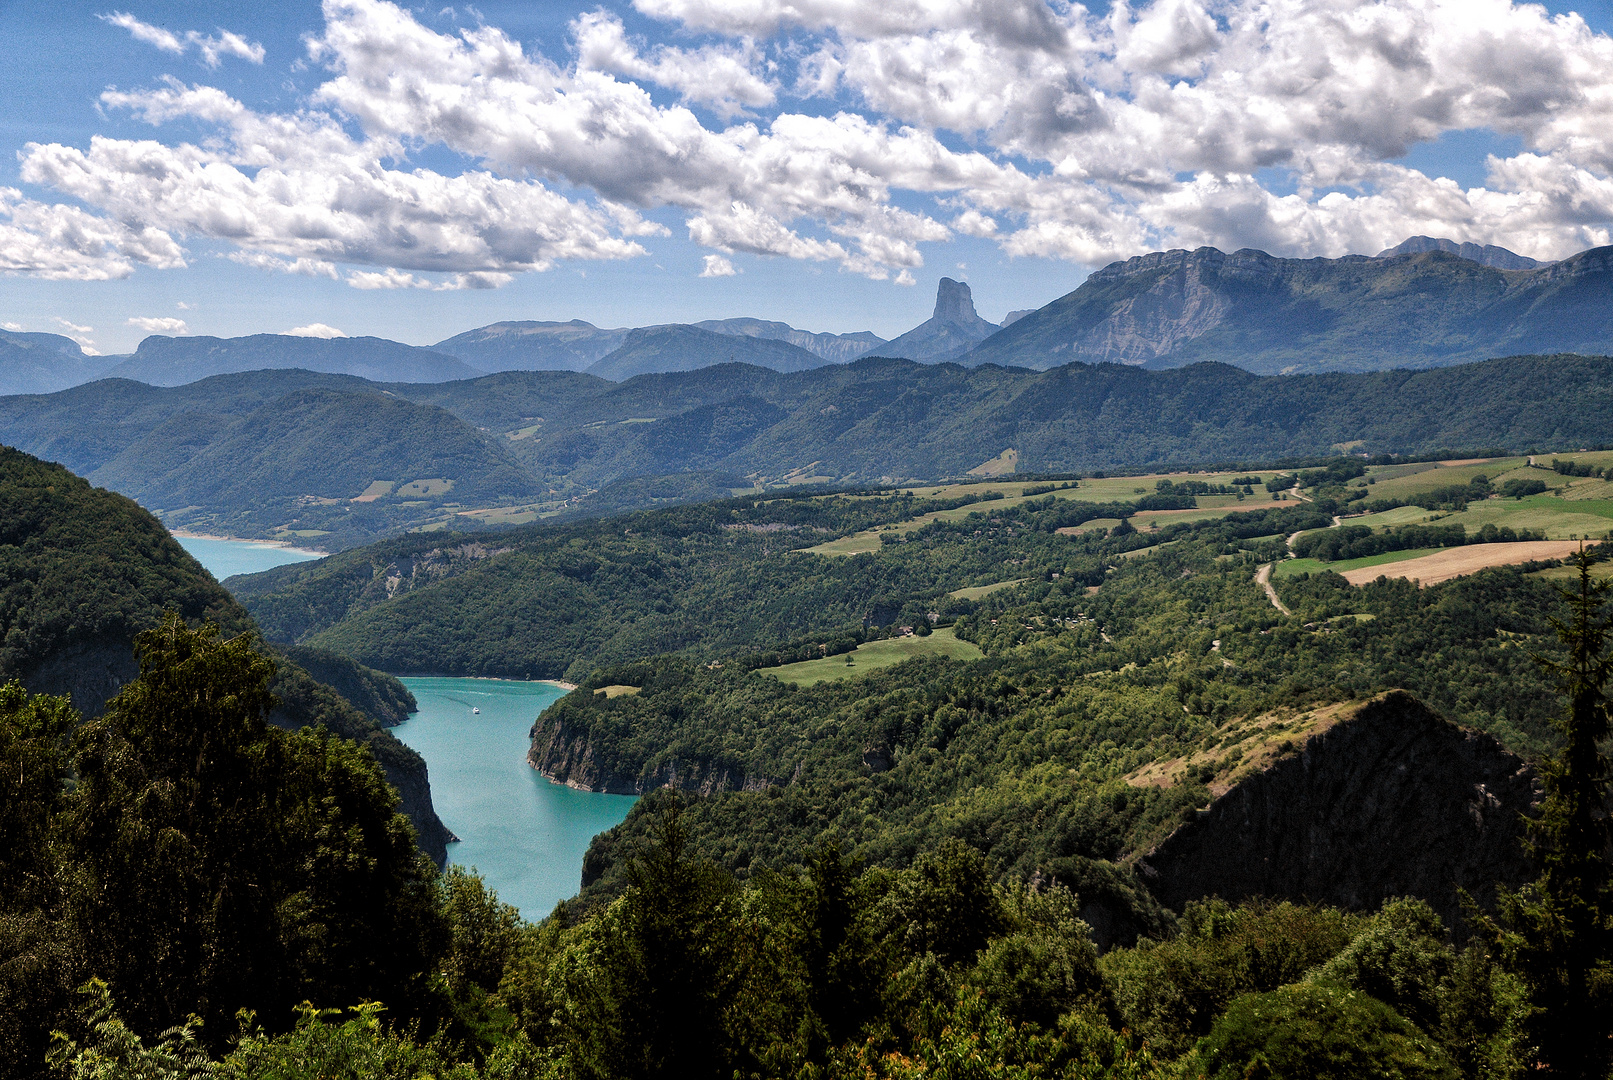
(65, 243)
(316, 330)
(71, 326)
(1046, 128)
(906, 278)
(725, 78)
(211, 49)
(717, 266)
(14, 327)
(158, 324)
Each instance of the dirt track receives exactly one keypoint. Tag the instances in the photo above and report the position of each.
(1455, 562)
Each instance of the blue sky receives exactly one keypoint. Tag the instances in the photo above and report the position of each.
(411, 172)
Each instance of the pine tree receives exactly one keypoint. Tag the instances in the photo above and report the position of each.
(1555, 933)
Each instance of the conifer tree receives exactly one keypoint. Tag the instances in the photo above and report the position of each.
(1555, 933)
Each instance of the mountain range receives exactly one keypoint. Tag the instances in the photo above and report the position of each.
(1425, 302)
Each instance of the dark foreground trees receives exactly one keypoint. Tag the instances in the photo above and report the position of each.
(1556, 933)
(198, 860)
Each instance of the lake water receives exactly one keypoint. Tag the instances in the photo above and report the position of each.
(226, 558)
(523, 834)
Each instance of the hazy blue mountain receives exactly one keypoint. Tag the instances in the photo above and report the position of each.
(532, 346)
(174, 361)
(953, 330)
(1483, 254)
(1272, 316)
(677, 347)
(836, 348)
(45, 363)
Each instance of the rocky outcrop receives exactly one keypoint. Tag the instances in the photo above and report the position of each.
(88, 672)
(1391, 800)
(953, 330)
(567, 756)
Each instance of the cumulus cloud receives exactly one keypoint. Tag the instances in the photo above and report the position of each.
(158, 324)
(316, 330)
(65, 243)
(849, 133)
(14, 327)
(212, 50)
(717, 266)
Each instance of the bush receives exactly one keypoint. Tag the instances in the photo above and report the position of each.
(1319, 1031)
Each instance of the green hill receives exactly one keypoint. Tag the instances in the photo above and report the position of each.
(279, 453)
(1271, 315)
(83, 570)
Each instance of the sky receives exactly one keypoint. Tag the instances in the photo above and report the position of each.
(413, 171)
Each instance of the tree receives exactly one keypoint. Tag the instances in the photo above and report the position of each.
(655, 979)
(1555, 933)
(222, 863)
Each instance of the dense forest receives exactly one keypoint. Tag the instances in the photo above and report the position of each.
(83, 570)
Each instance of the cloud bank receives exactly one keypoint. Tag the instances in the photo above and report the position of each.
(849, 134)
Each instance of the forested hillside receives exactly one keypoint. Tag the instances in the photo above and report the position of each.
(301, 454)
(83, 571)
(874, 871)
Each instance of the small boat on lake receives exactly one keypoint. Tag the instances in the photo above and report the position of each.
(475, 712)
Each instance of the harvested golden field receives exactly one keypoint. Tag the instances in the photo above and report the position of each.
(1456, 562)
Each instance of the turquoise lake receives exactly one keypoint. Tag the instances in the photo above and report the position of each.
(524, 835)
(226, 558)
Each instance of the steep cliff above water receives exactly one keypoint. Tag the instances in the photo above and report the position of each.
(1352, 805)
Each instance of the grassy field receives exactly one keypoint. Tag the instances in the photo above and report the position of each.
(1295, 567)
(975, 592)
(875, 655)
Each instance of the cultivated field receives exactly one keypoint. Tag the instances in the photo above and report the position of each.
(1455, 562)
(875, 655)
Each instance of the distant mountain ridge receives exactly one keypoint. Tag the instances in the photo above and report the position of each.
(174, 361)
(1281, 316)
(678, 347)
(1483, 254)
(45, 363)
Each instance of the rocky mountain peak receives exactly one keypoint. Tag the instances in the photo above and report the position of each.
(954, 303)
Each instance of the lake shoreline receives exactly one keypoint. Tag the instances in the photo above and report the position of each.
(286, 544)
(568, 687)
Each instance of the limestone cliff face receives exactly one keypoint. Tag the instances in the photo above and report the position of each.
(566, 756)
(1390, 801)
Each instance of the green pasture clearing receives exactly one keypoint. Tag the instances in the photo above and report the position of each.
(1586, 488)
(1557, 519)
(376, 489)
(1601, 571)
(1400, 515)
(1149, 520)
(975, 592)
(1407, 484)
(1095, 525)
(428, 488)
(875, 655)
(1604, 458)
(1294, 567)
(524, 433)
(856, 544)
